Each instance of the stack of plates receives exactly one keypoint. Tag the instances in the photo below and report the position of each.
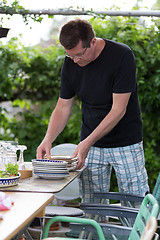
(50, 169)
(71, 162)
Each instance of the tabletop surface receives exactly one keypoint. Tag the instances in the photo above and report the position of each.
(36, 184)
(25, 208)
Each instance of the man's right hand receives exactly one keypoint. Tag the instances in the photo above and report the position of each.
(44, 149)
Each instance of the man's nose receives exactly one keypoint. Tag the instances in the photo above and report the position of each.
(75, 59)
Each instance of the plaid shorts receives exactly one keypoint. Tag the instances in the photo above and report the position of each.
(128, 163)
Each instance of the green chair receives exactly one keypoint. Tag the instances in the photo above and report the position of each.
(149, 208)
(83, 221)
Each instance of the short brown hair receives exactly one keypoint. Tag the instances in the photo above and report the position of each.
(75, 31)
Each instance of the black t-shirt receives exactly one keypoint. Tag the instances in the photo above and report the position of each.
(113, 71)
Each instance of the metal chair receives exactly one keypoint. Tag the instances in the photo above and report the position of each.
(130, 200)
(149, 208)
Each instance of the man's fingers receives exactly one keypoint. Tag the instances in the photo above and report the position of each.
(74, 154)
(80, 163)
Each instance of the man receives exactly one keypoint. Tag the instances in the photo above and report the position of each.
(102, 73)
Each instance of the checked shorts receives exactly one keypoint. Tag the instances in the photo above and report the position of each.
(128, 163)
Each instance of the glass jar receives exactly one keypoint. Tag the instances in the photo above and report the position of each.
(9, 157)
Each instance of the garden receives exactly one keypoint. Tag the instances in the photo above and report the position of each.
(30, 83)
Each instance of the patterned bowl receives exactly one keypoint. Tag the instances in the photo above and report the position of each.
(10, 181)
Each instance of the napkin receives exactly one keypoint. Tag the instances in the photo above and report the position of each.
(5, 202)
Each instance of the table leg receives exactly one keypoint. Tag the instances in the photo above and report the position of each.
(25, 232)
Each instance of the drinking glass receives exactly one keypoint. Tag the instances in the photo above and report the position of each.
(21, 158)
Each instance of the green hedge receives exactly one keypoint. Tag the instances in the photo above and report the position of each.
(30, 79)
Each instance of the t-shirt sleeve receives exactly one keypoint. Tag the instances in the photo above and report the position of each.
(125, 77)
(66, 90)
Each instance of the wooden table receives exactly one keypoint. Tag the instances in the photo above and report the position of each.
(36, 184)
(31, 195)
(26, 207)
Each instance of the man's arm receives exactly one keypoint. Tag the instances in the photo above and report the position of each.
(57, 123)
(116, 113)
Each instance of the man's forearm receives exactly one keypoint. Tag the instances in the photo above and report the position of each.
(56, 125)
(59, 119)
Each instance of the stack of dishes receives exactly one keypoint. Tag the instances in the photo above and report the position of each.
(50, 169)
(71, 162)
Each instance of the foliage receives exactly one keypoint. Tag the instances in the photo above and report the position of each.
(30, 79)
(13, 7)
(156, 6)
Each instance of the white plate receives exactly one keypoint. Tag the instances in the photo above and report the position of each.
(50, 170)
(48, 162)
(72, 168)
(72, 164)
(49, 167)
(51, 175)
(63, 158)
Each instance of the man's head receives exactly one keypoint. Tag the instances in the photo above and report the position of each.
(78, 39)
(75, 31)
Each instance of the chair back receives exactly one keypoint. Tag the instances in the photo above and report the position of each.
(149, 207)
(156, 190)
(63, 149)
(85, 221)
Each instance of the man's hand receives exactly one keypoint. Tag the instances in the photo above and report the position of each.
(44, 148)
(81, 151)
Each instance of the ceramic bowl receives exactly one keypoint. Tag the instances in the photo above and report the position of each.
(10, 181)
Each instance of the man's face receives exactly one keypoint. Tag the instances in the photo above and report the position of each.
(81, 56)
